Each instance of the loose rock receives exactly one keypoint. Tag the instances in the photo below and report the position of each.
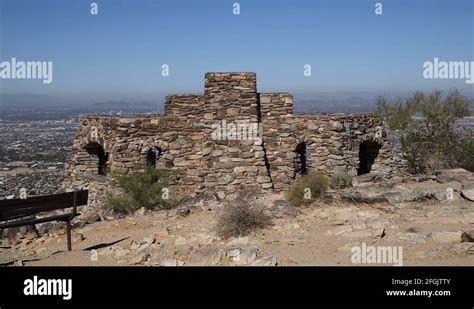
(468, 236)
(171, 262)
(445, 237)
(266, 261)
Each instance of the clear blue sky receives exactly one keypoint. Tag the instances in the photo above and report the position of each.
(121, 50)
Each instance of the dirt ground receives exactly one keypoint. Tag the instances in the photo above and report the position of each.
(321, 234)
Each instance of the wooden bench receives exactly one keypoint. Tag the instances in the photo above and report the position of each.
(14, 212)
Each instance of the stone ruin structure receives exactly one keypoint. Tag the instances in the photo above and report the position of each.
(182, 140)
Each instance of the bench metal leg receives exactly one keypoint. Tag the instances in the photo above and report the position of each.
(68, 226)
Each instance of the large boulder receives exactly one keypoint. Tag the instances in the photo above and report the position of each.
(90, 216)
(456, 174)
(282, 208)
(233, 255)
(462, 176)
(374, 196)
(171, 262)
(265, 261)
(243, 255)
(468, 194)
(369, 177)
(445, 237)
(193, 204)
(206, 257)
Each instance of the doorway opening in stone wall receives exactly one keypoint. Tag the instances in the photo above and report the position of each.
(152, 156)
(368, 152)
(301, 166)
(96, 150)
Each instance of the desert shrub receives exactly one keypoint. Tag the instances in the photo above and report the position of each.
(306, 189)
(341, 180)
(142, 188)
(239, 218)
(426, 122)
(465, 150)
(457, 150)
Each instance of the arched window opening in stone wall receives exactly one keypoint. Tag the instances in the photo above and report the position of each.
(151, 158)
(368, 152)
(95, 149)
(301, 166)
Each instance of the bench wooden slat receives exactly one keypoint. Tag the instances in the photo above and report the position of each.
(17, 208)
(32, 221)
(26, 212)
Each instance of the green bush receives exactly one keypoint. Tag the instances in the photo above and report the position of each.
(464, 150)
(309, 187)
(341, 180)
(426, 122)
(141, 189)
(240, 218)
(456, 149)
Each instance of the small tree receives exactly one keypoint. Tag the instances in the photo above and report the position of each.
(142, 188)
(426, 126)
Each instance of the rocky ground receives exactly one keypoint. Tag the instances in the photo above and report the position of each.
(415, 213)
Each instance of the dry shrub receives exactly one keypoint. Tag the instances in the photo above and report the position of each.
(240, 218)
(341, 180)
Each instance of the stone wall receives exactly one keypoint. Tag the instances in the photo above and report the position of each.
(184, 142)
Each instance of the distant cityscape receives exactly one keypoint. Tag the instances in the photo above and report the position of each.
(44, 107)
(33, 154)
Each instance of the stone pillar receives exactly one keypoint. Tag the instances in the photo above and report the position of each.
(230, 100)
